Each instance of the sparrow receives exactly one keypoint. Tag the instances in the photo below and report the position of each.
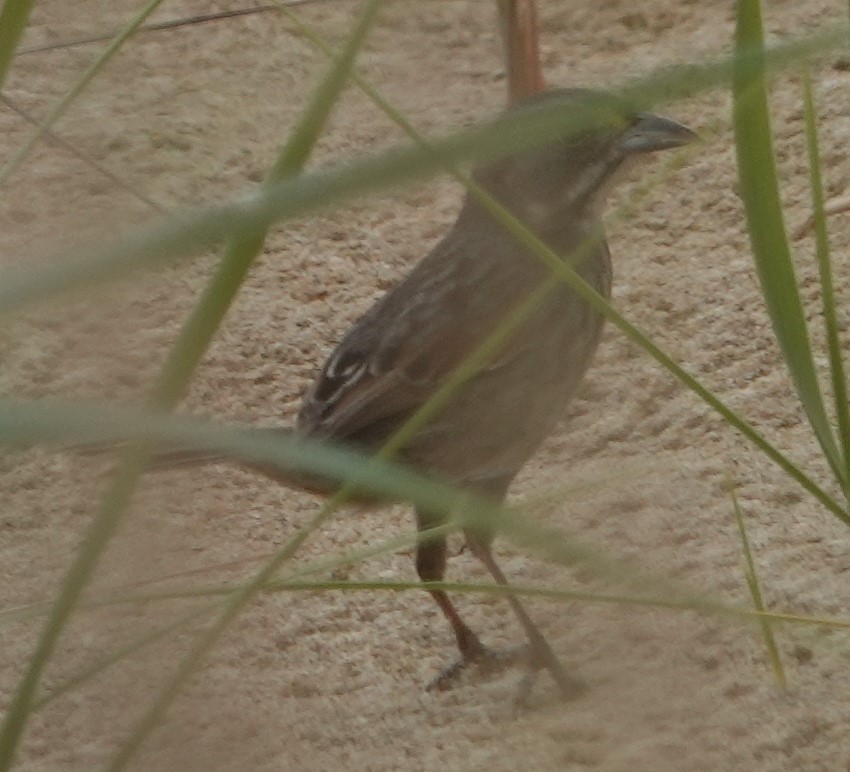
(395, 357)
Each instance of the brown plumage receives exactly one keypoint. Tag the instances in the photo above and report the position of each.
(394, 358)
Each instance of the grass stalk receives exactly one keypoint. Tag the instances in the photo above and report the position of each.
(755, 592)
(830, 315)
(14, 16)
(207, 317)
(766, 225)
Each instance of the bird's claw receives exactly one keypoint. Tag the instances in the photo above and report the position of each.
(541, 657)
(488, 661)
(569, 686)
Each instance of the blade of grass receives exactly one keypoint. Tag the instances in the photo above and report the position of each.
(13, 21)
(553, 495)
(471, 510)
(690, 602)
(560, 268)
(760, 194)
(235, 265)
(164, 242)
(21, 420)
(685, 604)
(255, 210)
(565, 596)
(830, 317)
(243, 250)
(755, 592)
(65, 102)
(186, 353)
(556, 494)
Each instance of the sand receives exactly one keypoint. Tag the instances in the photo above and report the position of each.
(639, 468)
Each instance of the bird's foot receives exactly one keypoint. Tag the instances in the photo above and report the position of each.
(488, 661)
(539, 656)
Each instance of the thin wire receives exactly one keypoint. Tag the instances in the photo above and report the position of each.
(162, 25)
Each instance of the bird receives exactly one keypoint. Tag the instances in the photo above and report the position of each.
(395, 357)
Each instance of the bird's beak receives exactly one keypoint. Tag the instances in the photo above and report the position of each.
(652, 132)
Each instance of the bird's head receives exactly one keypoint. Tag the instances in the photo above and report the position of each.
(568, 180)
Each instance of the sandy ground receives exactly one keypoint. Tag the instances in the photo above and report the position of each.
(335, 681)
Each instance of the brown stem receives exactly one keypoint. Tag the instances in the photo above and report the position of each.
(522, 49)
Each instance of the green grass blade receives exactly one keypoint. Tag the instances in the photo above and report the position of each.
(56, 421)
(59, 110)
(165, 241)
(251, 212)
(24, 422)
(760, 194)
(182, 360)
(755, 592)
(235, 266)
(495, 590)
(710, 607)
(13, 21)
(836, 361)
(19, 420)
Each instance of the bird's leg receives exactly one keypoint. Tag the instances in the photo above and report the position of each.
(431, 555)
(430, 564)
(541, 654)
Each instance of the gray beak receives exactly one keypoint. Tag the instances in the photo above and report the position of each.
(652, 132)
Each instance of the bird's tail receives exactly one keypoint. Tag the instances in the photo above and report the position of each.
(183, 457)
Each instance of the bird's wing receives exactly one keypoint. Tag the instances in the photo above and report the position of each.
(405, 347)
